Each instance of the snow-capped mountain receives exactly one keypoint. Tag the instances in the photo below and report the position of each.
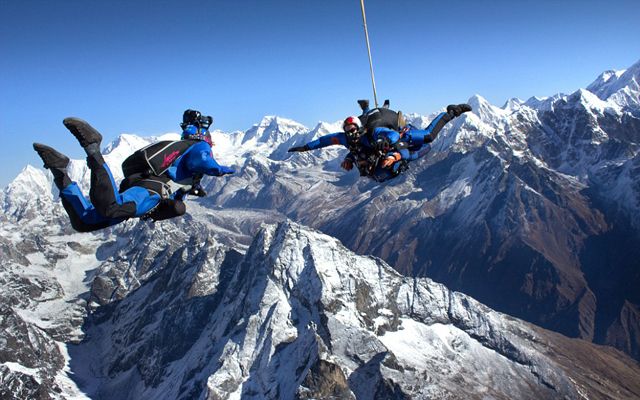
(621, 87)
(300, 316)
(273, 130)
(297, 316)
(532, 208)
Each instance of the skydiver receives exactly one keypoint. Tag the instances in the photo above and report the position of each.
(379, 151)
(146, 193)
(409, 144)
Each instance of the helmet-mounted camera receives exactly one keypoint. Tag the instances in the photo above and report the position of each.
(193, 117)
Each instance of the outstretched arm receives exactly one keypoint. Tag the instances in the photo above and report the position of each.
(200, 161)
(323, 141)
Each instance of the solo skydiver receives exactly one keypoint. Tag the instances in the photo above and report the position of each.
(145, 191)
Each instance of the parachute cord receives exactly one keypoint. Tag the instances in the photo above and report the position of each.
(366, 35)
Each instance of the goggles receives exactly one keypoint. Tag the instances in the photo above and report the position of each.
(351, 129)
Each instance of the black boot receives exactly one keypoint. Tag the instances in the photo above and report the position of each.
(364, 104)
(88, 137)
(455, 110)
(56, 162)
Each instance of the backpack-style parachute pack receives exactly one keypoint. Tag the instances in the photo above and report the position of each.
(156, 158)
(382, 117)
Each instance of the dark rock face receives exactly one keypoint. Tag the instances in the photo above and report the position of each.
(324, 380)
(35, 353)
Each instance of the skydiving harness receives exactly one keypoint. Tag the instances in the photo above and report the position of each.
(363, 157)
(147, 168)
(368, 158)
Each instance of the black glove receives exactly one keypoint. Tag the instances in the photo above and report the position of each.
(180, 194)
(167, 208)
(299, 148)
(455, 110)
(198, 191)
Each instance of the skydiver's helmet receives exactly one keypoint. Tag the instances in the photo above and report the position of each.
(352, 127)
(195, 126)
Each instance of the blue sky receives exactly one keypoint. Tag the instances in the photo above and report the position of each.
(134, 66)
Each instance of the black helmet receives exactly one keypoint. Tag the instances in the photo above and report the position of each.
(195, 126)
(195, 118)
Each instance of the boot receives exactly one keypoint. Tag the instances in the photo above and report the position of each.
(455, 110)
(364, 105)
(87, 136)
(56, 162)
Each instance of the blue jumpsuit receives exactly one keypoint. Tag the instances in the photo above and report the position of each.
(135, 201)
(412, 144)
(379, 174)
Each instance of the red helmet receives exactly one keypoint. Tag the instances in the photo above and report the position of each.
(352, 120)
(352, 133)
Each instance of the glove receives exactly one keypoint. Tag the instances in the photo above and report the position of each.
(180, 194)
(455, 110)
(167, 208)
(198, 191)
(347, 164)
(226, 170)
(390, 160)
(297, 149)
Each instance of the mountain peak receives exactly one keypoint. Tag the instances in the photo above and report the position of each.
(544, 103)
(477, 100)
(324, 128)
(273, 130)
(125, 143)
(275, 121)
(309, 301)
(28, 194)
(605, 77)
(31, 178)
(592, 102)
(486, 111)
(623, 87)
(512, 104)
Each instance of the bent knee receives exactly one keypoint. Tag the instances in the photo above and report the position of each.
(114, 210)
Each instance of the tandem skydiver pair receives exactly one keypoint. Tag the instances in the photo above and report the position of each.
(381, 144)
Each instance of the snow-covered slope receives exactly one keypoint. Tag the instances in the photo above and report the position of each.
(621, 87)
(300, 316)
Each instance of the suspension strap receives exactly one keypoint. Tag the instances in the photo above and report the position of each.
(366, 35)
